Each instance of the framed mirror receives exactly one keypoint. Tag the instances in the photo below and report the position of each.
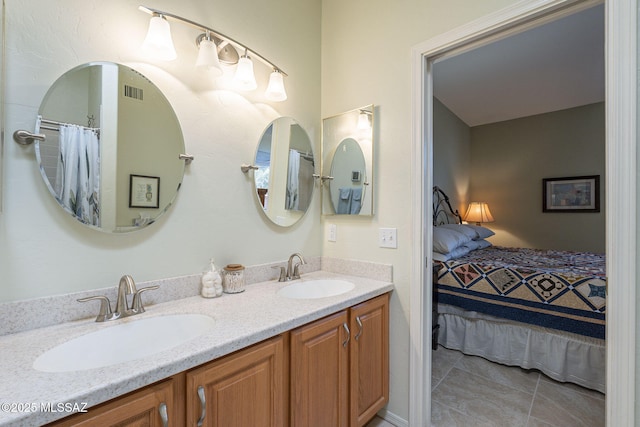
(347, 163)
(283, 182)
(111, 157)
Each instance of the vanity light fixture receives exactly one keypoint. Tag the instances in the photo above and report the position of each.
(213, 48)
(363, 120)
(158, 42)
(244, 78)
(208, 55)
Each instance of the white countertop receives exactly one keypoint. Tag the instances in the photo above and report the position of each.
(241, 320)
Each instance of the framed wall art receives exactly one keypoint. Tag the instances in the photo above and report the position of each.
(571, 194)
(144, 191)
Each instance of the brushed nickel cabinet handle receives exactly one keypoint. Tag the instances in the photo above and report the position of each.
(203, 406)
(164, 416)
(346, 329)
(359, 326)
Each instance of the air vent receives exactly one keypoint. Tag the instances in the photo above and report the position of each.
(133, 92)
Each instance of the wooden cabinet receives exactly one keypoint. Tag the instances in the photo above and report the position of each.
(246, 388)
(145, 407)
(330, 373)
(369, 359)
(320, 373)
(340, 367)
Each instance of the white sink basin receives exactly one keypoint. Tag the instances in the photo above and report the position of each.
(129, 340)
(312, 289)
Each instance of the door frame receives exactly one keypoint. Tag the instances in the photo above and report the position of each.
(621, 182)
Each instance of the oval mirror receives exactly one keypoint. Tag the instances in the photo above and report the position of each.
(284, 178)
(348, 169)
(347, 163)
(111, 157)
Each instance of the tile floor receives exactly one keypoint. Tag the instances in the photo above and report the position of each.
(471, 391)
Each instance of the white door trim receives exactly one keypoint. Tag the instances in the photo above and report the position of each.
(621, 98)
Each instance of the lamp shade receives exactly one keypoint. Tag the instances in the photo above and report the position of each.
(478, 212)
(208, 57)
(275, 90)
(158, 42)
(244, 78)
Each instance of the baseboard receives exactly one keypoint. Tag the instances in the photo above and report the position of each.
(393, 418)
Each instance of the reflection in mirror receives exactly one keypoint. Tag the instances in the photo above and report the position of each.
(347, 168)
(111, 154)
(284, 178)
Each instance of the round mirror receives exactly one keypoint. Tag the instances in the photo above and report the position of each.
(284, 178)
(349, 182)
(111, 154)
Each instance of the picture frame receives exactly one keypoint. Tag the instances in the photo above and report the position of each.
(144, 191)
(571, 194)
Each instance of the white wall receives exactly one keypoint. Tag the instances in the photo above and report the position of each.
(366, 58)
(44, 251)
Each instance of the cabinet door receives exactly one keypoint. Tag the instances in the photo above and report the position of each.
(369, 359)
(320, 373)
(243, 389)
(140, 408)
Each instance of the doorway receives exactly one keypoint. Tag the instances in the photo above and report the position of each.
(621, 188)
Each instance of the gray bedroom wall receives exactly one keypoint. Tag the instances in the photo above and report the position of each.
(509, 160)
(451, 155)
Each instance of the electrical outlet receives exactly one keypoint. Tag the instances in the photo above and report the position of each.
(332, 233)
(388, 238)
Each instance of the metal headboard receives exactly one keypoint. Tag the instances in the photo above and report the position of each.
(443, 213)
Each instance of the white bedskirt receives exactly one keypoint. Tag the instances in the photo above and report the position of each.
(563, 356)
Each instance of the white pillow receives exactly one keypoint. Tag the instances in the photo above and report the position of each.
(482, 232)
(456, 253)
(477, 244)
(446, 240)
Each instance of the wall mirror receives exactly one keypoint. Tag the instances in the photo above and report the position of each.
(111, 157)
(347, 163)
(283, 181)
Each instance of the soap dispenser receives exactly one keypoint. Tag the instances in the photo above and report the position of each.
(211, 282)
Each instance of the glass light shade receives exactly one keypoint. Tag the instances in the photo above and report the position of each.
(208, 57)
(158, 42)
(244, 78)
(478, 212)
(363, 121)
(275, 90)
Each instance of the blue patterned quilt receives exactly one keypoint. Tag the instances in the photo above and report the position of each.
(554, 289)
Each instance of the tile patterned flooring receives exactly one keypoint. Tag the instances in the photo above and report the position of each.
(471, 391)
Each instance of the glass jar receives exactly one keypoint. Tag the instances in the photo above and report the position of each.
(233, 282)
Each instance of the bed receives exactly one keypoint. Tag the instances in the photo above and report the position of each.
(537, 309)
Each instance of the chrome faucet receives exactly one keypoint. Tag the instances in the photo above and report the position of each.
(293, 274)
(126, 287)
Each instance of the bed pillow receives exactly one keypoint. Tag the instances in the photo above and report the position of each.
(456, 253)
(482, 232)
(477, 244)
(446, 240)
(462, 228)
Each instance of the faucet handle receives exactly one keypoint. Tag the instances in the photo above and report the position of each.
(105, 307)
(296, 271)
(137, 299)
(283, 273)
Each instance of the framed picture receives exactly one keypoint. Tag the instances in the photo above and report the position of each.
(571, 194)
(144, 191)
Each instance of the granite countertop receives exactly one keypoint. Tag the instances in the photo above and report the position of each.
(240, 320)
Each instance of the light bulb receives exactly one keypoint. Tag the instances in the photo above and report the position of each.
(275, 91)
(244, 78)
(158, 42)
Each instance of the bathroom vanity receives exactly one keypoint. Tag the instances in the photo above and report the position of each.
(269, 360)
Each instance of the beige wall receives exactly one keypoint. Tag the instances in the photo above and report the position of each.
(366, 59)
(509, 161)
(43, 251)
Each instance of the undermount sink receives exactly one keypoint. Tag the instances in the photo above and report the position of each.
(312, 289)
(130, 340)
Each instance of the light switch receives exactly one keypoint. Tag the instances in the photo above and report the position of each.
(388, 238)
(332, 233)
